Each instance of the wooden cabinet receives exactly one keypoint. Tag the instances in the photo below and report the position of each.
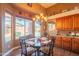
(58, 42)
(69, 23)
(65, 23)
(58, 24)
(75, 45)
(62, 21)
(76, 22)
(66, 43)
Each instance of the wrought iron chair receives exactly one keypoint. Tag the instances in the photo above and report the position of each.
(48, 49)
(25, 49)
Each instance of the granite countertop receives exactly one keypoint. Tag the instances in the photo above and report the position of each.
(67, 36)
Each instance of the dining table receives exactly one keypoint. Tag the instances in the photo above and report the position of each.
(37, 43)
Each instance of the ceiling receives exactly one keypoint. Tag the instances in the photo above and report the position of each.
(48, 8)
(47, 5)
(60, 7)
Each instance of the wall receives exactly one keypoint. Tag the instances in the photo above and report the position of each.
(0, 32)
(68, 13)
(15, 11)
(59, 7)
(36, 8)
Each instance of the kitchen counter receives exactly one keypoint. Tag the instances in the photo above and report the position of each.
(67, 36)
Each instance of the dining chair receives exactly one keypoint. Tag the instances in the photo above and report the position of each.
(52, 44)
(25, 49)
(48, 49)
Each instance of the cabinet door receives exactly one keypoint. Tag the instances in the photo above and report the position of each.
(59, 23)
(62, 23)
(66, 43)
(71, 18)
(76, 22)
(68, 23)
(65, 23)
(75, 45)
(58, 42)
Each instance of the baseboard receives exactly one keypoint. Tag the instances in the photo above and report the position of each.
(10, 51)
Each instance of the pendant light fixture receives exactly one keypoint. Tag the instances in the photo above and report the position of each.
(41, 17)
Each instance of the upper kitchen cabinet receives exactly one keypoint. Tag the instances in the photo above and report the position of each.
(65, 23)
(59, 24)
(68, 23)
(76, 22)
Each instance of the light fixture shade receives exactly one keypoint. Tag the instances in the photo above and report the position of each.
(41, 14)
(45, 18)
(33, 19)
(40, 17)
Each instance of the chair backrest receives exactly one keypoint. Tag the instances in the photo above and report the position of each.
(28, 37)
(51, 45)
(23, 45)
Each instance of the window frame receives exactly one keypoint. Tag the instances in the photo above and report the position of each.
(24, 24)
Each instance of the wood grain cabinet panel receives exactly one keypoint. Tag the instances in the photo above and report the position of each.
(66, 43)
(62, 22)
(76, 22)
(59, 24)
(75, 45)
(65, 23)
(70, 22)
(58, 42)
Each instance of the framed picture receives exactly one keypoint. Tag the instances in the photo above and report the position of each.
(29, 4)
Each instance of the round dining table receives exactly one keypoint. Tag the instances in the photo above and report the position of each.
(37, 43)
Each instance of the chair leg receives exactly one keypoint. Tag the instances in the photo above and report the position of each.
(35, 53)
(21, 54)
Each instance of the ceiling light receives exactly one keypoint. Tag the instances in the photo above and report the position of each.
(40, 17)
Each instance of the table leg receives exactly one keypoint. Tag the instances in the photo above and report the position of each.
(38, 52)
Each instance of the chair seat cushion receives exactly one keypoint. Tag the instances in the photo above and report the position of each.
(45, 49)
(30, 50)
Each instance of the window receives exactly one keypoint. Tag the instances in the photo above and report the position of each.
(19, 27)
(23, 27)
(52, 29)
(51, 26)
(28, 27)
(37, 28)
(7, 27)
(7, 31)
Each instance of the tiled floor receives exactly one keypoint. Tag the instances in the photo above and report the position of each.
(56, 52)
(18, 53)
